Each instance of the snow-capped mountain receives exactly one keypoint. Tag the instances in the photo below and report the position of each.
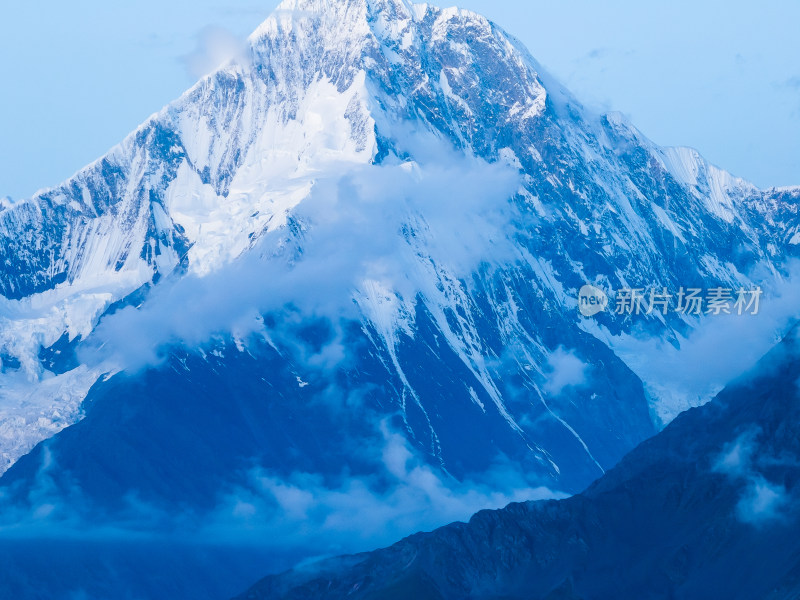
(375, 222)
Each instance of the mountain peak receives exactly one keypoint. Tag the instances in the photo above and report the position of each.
(319, 5)
(337, 5)
(347, 9)
(345, 18)
(348, 17)
(368, 232)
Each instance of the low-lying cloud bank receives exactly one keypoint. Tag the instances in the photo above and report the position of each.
(305, 513)
(404, 496)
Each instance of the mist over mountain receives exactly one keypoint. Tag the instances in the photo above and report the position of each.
(708, 507)
(330, 297)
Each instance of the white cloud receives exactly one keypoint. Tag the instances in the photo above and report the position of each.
(736, 458)
(403, 496)
(383, 225)
(717, 351)
(564, 370)
(305, 513)
(761, 501)
(215, 47)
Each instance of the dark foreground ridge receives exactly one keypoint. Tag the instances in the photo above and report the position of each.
(706, 509)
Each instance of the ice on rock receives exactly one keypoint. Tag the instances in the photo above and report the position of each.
(329, 86)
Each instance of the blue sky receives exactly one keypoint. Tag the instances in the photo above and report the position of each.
(721, 76)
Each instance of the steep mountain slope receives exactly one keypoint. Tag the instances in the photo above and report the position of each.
(333, 289)
(373, 224)
(365, 89)
(707, 508)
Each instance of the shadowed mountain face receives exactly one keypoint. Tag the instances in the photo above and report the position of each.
(333, 287)
(708, 508)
